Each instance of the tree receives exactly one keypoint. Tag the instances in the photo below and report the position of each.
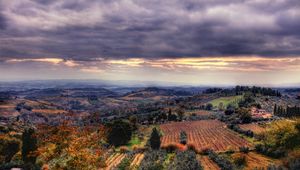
(275, 109)
(120, 132)
(244, 115)
(29, 146)
(133, 120)
(154, 139)
(9, 147)
(180, 113)
(209, 106)
(183, 137)
(221, 106)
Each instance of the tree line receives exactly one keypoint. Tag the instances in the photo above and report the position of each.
(286, 111)
(239, 90)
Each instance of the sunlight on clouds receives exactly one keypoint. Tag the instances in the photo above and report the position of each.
(71, 63)
(134, 62)
(232, 64)
(48, 60)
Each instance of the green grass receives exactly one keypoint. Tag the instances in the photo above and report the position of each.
(134, 141)
(226, 101)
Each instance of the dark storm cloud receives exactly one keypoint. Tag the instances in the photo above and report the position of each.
(87, 30)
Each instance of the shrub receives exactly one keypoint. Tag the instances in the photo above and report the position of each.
(241, 131)
(183, 137)
(244, 149)
(185, 160)
(223, 163)
(180, 147)
(206, 151)
(153, 160)
(124, 149)
(172, 147)
(192, 147)
(240, 160)
(269, 151)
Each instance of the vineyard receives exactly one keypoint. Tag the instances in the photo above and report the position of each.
(256, 161)
(137, 160)
(255, 128)
(203, 134)
(207, 163)
(114, 160)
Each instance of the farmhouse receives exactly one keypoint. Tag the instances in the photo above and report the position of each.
(260, 113)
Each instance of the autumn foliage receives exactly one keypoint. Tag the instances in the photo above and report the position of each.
(71, 146)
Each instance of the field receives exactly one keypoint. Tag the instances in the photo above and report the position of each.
(207, 163)
(255, 161)
(255, 128)
(114, 160)
(226, 101)
(204, 134)
(137, 160)
(49, 111)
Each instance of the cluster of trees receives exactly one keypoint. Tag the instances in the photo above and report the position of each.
(239, 90)
(286, 111)
(257, 90)
(247, 101)
(163, 115)
(212, 90)
(239, 115)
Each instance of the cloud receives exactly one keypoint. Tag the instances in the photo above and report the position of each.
(2, 22)
(85, 30)
(229, 63)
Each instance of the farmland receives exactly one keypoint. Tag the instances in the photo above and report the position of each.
(149, 128)
(225, 101)
(253, 127)
(203, 134)
(255, 161)
(114, 160)
(208, 164)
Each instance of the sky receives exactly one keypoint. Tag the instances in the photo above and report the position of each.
(192, 42)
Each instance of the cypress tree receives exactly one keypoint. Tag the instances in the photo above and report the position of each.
(275, 110)
(29, 146)
(155, 139)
